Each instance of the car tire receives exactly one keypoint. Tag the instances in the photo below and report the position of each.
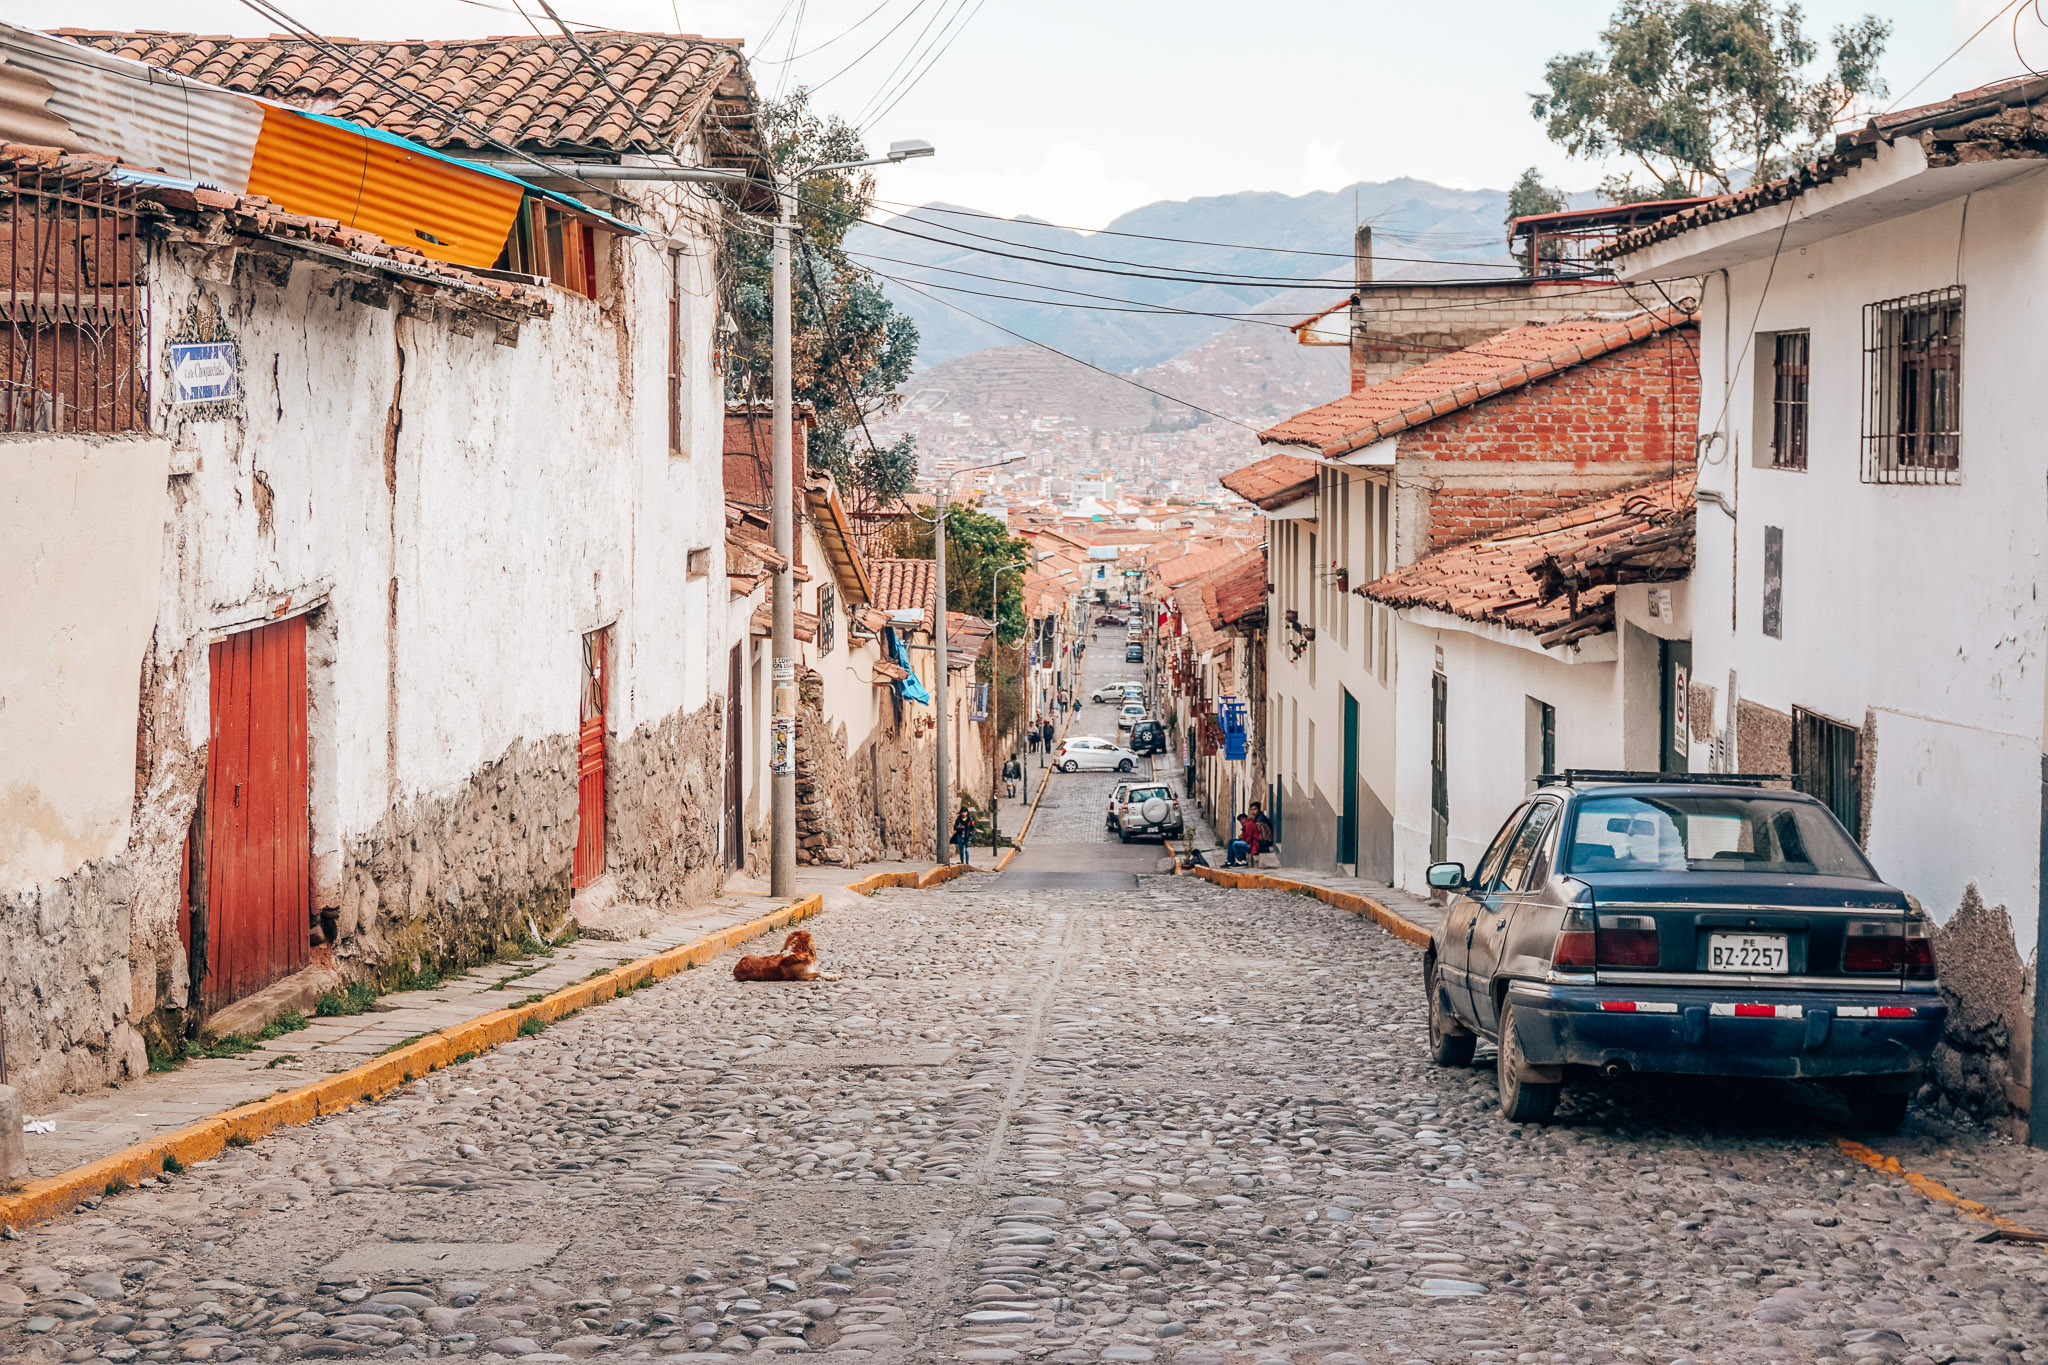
(1450, 1044)
(1070, 766)
(1522, 1101)
(1122, 837)
(1124, 765)
(1878, 1105)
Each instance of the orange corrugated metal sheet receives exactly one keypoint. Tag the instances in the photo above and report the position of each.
(409, 199)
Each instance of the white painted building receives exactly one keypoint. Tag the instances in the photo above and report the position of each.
(418, 622)
(1868, 602)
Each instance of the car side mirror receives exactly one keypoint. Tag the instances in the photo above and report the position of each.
(1446, 876)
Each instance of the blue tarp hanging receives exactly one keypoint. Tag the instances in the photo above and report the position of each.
(910, 689)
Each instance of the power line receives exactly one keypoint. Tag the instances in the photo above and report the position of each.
(883, 112)
(907, 15)
(1120, 378)
(783, 61)
(1115, 260)
(2002, 12)
(911, 210)
(906, 56)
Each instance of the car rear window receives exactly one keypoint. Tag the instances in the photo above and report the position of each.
(1139, 794)
(1760, 833)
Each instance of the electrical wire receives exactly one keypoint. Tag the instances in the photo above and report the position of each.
(870, 51)
(908, 55)
(1115, 260)
(883, 112)
(1953, 55)
(782, 61)
(1120, 378)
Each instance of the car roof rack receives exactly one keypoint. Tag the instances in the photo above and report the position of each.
(1572, 777)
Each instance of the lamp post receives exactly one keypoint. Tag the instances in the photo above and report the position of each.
(782, 715)
(943, 830)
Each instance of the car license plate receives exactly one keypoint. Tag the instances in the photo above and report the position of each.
(1746, 953)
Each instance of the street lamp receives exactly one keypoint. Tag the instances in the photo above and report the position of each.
(945, 772)
(782, 716)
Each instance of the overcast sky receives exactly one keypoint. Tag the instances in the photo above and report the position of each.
(1076, 110)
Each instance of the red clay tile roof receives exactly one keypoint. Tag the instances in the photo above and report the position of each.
(533, 92)
(262, 225)
(1449, 383)
(1273, 482)
(1200, 559)
(1239, 587)
(904, 585)
(2005, 123)
(1555, 577)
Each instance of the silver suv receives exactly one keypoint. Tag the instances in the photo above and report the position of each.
(1137, 809)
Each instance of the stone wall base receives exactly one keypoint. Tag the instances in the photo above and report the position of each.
(1984, 1061)
(64, 984)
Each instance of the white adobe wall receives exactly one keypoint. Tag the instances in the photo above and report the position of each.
(1912, 613)
(1608, 716)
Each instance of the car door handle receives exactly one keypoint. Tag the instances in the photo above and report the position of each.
(1499, 925)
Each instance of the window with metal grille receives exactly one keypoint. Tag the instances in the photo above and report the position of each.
(72, 334)
(1825, 764)
(1913, 391)
(1788, 400)
(828, 618)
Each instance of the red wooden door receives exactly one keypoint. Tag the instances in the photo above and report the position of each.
(259, 845)
(590, 759)
(735, 789)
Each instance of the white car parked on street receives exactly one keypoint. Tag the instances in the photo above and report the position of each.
(1098, 755)
(1132, 713)
(1118, 692)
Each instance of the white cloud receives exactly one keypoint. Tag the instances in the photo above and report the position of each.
(1322, 167)
(1072, 183)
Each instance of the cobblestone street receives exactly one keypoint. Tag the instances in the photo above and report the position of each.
(1174, 1122)
(1077, 1111)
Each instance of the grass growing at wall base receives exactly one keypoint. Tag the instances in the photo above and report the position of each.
(355, 998)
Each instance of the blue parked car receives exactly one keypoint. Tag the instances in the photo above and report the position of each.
(1700, 925)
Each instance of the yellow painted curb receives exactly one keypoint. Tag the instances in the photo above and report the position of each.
(1401, 927)
(43, 1199)
(1935, 1190)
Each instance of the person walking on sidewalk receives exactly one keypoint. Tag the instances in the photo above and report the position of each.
(1012, 770)
(963, 832)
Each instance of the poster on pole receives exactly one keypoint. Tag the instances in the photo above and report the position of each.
(782, 746)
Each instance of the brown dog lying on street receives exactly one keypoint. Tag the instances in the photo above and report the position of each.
(798, 961)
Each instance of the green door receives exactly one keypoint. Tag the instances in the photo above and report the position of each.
(1675, 674)
(1347, 824)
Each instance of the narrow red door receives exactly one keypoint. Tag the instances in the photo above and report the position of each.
(258, 836)
(735, 787)
(590, 759)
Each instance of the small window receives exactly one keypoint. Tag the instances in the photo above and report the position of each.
(828, 616)
(1788, 399)
(1913, 394)
(558, 246)
(700, 562)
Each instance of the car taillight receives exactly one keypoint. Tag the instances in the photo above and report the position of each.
(1885, 945)
(1628, 941)
(1574, 947)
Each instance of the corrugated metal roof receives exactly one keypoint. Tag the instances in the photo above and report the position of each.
(326, 168)
(117, 107)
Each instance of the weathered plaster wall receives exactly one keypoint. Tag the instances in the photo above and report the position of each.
(81, 532)
(453, 511)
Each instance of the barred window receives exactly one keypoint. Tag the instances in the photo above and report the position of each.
(828, 618)
(1913, 392)
(1788, 400)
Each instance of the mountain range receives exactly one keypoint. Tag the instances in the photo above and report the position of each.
(1125, 302)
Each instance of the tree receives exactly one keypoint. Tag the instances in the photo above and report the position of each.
(1704, 95)
(1530, 195)
(976, 545)
(850, 350)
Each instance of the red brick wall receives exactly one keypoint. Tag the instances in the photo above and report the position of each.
(1626, 417)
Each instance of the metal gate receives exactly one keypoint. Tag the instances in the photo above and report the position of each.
(258, 859)
(1825, 764)
(590, 758)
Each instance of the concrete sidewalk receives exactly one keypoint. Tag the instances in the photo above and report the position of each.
(89, 1127)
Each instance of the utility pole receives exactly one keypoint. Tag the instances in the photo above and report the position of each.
(782, 496)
